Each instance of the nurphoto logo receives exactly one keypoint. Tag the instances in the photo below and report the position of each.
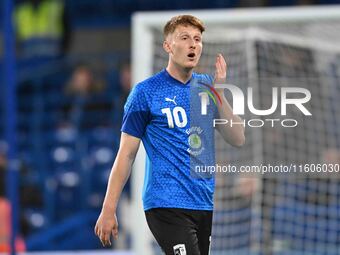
(287, 97)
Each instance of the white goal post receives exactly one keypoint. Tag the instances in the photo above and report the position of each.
(300, 30)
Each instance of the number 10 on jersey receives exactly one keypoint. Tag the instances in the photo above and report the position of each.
(177, 116)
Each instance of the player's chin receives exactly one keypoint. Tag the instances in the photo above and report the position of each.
(191, 64)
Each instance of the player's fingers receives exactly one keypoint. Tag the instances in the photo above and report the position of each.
(222, 62)
(102, 241)
(96, 229)
(218, 67)
(115, 233)
(100, 236)
(105, 238)
(223, 66)
(218, 61)
(219, 73)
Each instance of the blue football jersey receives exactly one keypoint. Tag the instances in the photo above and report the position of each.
(166, 114)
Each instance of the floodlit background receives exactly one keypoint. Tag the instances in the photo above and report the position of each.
(66, 69)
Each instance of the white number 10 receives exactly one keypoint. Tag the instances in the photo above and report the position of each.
(175, 113)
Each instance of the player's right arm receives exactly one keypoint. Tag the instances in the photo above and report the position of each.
(107, 224)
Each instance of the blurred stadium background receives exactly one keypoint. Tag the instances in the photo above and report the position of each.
(65, 77)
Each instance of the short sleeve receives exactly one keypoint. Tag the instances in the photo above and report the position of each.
(136, 113)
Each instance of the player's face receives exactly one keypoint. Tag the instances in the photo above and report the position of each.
(184, 46)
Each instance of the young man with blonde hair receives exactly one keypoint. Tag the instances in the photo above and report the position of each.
(161, 111)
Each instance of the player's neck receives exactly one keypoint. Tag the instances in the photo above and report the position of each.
(181, 74)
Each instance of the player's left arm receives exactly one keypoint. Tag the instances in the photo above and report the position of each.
(234, 134)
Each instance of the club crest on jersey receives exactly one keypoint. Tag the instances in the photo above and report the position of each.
(195, 142)
(171, 100)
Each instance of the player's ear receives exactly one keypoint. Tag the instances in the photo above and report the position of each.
(166, 46)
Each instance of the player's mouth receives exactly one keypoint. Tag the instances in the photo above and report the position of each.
(191, 55)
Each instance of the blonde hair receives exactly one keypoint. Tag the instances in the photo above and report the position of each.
(185, 20)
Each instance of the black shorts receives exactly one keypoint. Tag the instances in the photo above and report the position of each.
(181, 231)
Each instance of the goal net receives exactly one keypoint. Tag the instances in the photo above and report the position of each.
(295, 209)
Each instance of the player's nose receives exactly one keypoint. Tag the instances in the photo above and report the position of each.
(192, 44)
